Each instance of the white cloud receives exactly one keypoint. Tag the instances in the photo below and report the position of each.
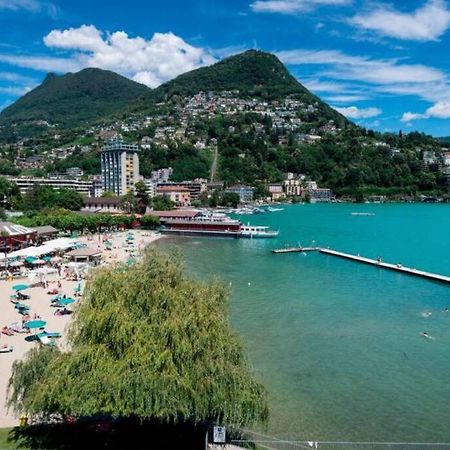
(44, 63)
(293, 6)
(15, 90)
(33, 6)
(362, 67)
(151, 62)
(441, 110)
(317, 85)
(16, 78)
(409, 116)
(346, 98)
(353, 112)
(427, 23)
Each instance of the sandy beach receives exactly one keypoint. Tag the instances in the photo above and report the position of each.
(40, 305)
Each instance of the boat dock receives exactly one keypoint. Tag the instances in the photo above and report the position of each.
(373, 262)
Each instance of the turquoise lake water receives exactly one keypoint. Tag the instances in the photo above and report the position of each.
(336, 343)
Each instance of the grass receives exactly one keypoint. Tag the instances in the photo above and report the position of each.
(4, 444)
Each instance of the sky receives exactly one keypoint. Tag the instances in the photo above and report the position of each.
(385, 65)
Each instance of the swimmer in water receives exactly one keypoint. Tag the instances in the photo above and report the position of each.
(426, 335)
(445, 309)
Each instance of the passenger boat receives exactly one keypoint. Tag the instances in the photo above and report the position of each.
(214, 225)
(257, 231)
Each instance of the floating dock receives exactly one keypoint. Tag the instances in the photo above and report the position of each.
(372, 262)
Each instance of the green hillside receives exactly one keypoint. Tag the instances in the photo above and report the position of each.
(74, 99)
(252, 73)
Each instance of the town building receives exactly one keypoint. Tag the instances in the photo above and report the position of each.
(110, 205)
(293, 187)
(276, 191)
(321, 195)
(97, 186)
(245, 192)
(180, 195)
(162, 175)
(13, 236)
(151, 186)
(120, 167)
(27, 183)
(196, 187)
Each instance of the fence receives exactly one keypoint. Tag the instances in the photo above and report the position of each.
(257, 441)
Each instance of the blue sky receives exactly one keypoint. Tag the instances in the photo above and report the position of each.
(385, 65)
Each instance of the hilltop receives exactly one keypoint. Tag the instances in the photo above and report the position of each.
(74, 99)
(250, 74)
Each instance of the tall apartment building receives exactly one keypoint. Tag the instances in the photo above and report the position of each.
(120, 166)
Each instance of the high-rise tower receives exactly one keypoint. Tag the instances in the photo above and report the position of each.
(120, 166)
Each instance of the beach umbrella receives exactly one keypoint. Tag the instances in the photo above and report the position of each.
(30, 259)
(65, 301)
(20, 287)
(35, 324)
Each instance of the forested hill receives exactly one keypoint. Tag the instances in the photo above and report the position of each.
(74, 99)
(251, 74)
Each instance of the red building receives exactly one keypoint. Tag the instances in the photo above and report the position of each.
(13, 236)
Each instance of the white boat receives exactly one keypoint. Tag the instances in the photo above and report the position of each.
(362, 214)
(257, 231)
(272, 209)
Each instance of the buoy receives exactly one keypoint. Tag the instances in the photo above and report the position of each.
(249, 283)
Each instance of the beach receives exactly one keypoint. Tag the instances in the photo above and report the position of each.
(40, 306)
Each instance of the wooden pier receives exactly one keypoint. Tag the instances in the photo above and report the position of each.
(372, 262)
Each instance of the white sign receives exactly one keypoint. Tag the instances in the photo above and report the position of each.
(219, 435)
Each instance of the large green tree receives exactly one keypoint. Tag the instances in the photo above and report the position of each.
(146, 342)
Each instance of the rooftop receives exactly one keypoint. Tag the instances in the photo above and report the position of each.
(174, 214)
(174, 188)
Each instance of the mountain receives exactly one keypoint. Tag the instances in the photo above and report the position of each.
(75, 98)
(253, 73)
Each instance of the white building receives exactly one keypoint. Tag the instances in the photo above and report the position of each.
(151, 187)
(27, 183)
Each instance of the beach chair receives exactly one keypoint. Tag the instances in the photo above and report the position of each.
(45, 340)
(6, 349)
(53, 335)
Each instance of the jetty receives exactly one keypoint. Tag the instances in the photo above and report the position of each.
(372, 262)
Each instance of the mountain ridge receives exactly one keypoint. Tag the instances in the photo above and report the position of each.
(81, 98)
(74, 98)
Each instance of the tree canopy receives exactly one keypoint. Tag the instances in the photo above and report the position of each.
(146, 342)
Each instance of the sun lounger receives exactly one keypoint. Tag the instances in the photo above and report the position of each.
(6, 349)
(17, 327)
(44, 339)
(50, 334)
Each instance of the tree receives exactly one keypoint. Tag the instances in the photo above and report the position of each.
(146, 342)
(151, 222)
(128, 203)
(69, 199)
(108, 194)
(230, 199)
(162, 203)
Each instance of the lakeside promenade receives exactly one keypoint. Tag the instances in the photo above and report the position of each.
(39, 304)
